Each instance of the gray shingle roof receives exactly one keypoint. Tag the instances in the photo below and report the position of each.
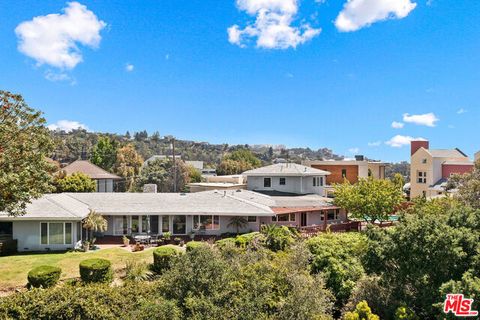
(447, 153)
(286, 169)
(88, 168)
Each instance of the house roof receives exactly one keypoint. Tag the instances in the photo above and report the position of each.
(458, 163)
(447, 153)
(286, 169)
(53, 207)
(89, 169)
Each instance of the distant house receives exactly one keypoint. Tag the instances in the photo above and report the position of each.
(287, 178)
(431, 168)
(229, 182)
(351, 170)
(104, 179)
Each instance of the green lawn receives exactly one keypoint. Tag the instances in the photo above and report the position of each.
(14, 269)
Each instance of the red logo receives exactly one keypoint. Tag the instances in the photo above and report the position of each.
(459, 306)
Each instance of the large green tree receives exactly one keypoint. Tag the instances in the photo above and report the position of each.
(161, 173)
(104, 153)
(75, 182)
(25, 143)
(237, 162)
(369, 199)
(128, 166)
(468, 186)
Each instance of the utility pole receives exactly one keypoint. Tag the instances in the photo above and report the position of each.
(174, 167)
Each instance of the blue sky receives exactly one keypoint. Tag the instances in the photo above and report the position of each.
(253, 71)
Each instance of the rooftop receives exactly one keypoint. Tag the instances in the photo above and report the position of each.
(447, 153)
(286, 169)
(88, 168)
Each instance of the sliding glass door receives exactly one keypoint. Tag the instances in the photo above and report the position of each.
(179, 224)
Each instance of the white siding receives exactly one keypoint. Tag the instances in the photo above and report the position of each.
(299, 185)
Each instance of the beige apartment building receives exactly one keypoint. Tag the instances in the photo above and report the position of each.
(431, 168)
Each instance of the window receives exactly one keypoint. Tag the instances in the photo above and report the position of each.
(317, 181)
(154, 224)
(252, 219)
(56, 233)
(282, 181)
(267, 182)
(135, 224)
(289, 217)
(344, 173)
(145, 224)
(422, 177)
(209, 222)
(292, 217)
(332, 214)
(274, 219)
(165, 223)
(424, 161)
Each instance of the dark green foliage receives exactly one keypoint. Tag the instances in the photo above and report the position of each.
(337, 258)
(25, 143)
(277, 237)
(192, 245)
(44, 276)
(163, 257)
(96, 270)
(104, 153)
(136, 301)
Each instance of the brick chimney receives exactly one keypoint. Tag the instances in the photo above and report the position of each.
(417, 144)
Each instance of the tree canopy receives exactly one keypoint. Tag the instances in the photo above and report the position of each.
(75, 182)
(160, 172)
(25, 143)
(369, 199)
(104, 153)
(237, 162)
(128, 165)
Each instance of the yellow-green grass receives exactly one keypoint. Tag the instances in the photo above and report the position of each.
(14, 269)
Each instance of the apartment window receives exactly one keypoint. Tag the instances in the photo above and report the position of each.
(56, 233)
(282, 181)
(344, 173)
(424, 161)
(209, 222)
(422, 177)
(252, 219)
(267, 182)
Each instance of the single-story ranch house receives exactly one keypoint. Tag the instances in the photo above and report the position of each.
(54, 222)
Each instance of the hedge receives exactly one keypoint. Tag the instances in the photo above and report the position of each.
(192, 245)
(162, 257)
(44, 276)
(96, 270)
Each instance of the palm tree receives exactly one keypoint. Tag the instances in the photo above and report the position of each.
(238, 223)
(95, 222)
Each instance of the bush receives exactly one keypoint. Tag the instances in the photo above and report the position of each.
(277, 238)
(44, 276)
(192, 245)
(163, 257)
(96, 270)
(227, 242)
(137, 271)
(247, 239)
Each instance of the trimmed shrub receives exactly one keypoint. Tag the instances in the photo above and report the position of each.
(163, 257)
(227, 242)
(96, 270)
(192, 245)
(44, 276)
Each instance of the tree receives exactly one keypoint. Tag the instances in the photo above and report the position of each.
(238, 223)
(94, 222)
(104, 153)
(194, 175)
(76, 182)
(468, 186)
(361, 312)
(25, 143)
(161, 173)
(238, 161)
(398, 180)
(369, 199)
(128, 165)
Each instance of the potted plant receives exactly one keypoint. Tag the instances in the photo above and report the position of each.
(126, 241)
(167, 236)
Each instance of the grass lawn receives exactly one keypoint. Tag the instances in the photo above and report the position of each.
(14, 269)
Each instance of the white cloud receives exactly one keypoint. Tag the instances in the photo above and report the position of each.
(461, 111)
(272, 27)
(67, 126)
(375, 144)
(399, 141)
(53, 39)
(357, 14)
(427, 119)
(129, 67)
(397, 125)
(58, 76)
(354, 150)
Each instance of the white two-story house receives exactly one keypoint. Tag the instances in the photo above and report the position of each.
(287, 178)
